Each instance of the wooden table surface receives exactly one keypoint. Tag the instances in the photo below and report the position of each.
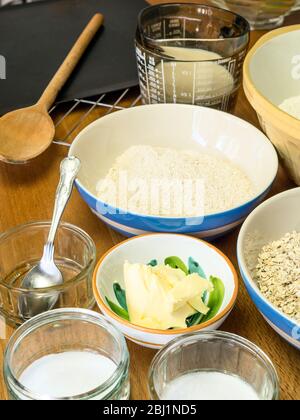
(26, 194)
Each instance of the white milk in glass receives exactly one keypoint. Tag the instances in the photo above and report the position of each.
(67, 374)
(197, 77)
(208, 386)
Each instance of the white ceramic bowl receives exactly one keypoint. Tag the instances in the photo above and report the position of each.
(181, 127)
(269, 222)
(143, 249)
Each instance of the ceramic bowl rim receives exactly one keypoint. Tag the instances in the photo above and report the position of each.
(253, 199)
(247, 276)
(266, 106)
(105, 309)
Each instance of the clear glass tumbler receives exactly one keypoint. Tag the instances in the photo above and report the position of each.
(191, 54)
(67, 330)
(261, 14)
(214, 352)
(21, 249)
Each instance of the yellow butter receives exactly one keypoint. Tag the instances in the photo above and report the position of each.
(162, 297)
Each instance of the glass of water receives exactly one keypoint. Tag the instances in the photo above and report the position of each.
(262, 14)
(191, 54)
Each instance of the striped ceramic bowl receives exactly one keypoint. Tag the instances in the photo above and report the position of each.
(269, 222)
(143, 249)
(180, 127)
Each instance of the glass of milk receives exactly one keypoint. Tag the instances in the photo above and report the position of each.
(191, 54)
(212, 366)
(67, 354)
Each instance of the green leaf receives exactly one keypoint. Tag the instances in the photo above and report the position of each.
(121, 296)
(176, 262)
(194, 320)
(195, 267)
(117, 310)
(216, 298)
(153, 263)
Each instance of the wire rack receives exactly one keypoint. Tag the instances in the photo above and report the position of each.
(15, 2)
(71, 117)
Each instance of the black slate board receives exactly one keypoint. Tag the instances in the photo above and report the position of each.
(35, 38)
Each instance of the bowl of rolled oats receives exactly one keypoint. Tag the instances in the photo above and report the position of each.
(269, 261)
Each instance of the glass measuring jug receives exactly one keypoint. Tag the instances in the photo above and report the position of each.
(191, 54)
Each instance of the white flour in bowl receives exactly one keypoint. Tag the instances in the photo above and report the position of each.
(174, 183)
(291, 106)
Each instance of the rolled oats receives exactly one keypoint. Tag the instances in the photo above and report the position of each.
(278, 274)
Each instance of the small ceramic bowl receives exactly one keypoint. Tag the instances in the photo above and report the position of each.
(143, 249)
(183, 127)
(271, 75)
(269, 222)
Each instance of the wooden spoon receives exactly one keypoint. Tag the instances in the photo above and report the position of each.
(28, 132)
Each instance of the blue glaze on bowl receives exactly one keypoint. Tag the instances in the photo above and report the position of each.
(205, 227)
(288, 329)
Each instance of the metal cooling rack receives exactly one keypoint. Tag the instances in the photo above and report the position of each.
(15, 2)
(68, 124)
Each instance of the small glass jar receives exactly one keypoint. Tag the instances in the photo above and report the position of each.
(21, 249)
(214, 352)
(61, 331)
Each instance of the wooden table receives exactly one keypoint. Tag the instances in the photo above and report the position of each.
(26, 194)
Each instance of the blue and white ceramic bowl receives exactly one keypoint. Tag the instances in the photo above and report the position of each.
(269, 222)
(181, 127)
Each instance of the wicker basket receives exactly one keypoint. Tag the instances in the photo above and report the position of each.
(272, 74)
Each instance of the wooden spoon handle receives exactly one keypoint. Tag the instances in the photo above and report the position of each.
(72, 59)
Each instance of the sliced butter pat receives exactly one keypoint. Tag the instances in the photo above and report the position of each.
(162, 297)
(197, 301)
(170, 275)
(198, 304)
(171, 320)
(189, 290)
